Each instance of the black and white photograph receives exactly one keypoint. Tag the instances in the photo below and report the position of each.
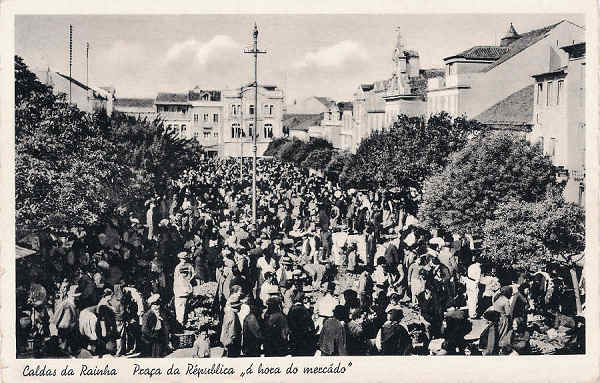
(255, 185)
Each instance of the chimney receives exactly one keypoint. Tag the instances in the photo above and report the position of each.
(510, 36)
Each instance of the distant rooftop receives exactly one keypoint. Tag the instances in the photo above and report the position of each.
(515, 112)
(134, 102)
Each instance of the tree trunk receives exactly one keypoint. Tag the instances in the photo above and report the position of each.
(576, 290)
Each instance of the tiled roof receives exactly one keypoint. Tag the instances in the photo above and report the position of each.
(301, 121)
(515, 110)
(523, 42)
(79, 84)
(134, 102)
(481, 52)
(172, 98)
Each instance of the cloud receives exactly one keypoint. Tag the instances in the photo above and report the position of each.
(203, 52)
(333, 56)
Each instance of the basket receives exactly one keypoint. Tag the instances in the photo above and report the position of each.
(185, 340)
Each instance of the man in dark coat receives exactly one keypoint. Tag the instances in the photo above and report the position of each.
(334, 335)
(302, 327)
(252, 330)
(276, 329)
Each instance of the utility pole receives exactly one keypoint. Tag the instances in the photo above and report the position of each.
(255, 52)
(70, 59)
(241, 126)
(87, 70)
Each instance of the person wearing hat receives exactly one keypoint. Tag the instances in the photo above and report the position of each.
(326, 304)
(393, 338)
(334, 335)
(66, 318)
(182, 287)
(155, 333)
(276, 330)
(270, 287)
(252, 330)
(231, 330)
(302, 327)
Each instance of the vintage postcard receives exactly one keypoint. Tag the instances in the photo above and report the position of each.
(264, 193)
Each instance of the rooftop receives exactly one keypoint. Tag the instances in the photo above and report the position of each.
(481, 52)
(515, 112)
(301, 121)
(172, 98)
(134, 102)
(524, 41)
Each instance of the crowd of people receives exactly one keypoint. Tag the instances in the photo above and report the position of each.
(323, 271)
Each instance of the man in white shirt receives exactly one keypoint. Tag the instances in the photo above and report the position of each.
(182, 287)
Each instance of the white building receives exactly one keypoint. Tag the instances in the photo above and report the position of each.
(239, 113)
(478, 78)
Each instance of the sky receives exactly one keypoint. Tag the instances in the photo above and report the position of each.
(307, 55)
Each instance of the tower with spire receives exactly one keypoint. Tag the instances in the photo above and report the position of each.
(510, 36)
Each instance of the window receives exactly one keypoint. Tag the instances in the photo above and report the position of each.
(233, 109)
(552, 148)
(195, 118)
(549, 93)
(329, 115)
(540, 88)
(558, 91)
(251, 109)
(205, 117)
(206, 135)
(541, 143)
(581, 197)
(270, 110)
(196, 135)
(176, 128)
(215, 117)
(266, 109)
(205, 97)
(250, 129)
(215, 134)
(235, 130)
(183, 127)
(268, 130)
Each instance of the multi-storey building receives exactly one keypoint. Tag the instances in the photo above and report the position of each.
(239, 113)
(195, 114)
(378, 104)
(478, 78)
(87, 98)
(559, 119)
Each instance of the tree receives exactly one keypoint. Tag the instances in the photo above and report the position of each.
(274, 146)
(534, 235)
(73, 168)
(407, 153)
(287, 151)
(338, 161)
(492, 169)
(318, 159)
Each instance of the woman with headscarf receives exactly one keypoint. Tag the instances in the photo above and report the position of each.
(502, 305)
(155, 333)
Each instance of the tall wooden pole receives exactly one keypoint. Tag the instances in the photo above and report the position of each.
(70, 59)
(255, 52)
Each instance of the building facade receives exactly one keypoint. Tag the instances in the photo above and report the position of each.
(481, 76)
(86, 98)
(196, 114)
(378, 104)
(239, 113)
(136, 107)
(559, 119)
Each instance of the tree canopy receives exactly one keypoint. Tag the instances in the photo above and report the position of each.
(407, 153)
(492, 169)
(531, 235)
(72, 168)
